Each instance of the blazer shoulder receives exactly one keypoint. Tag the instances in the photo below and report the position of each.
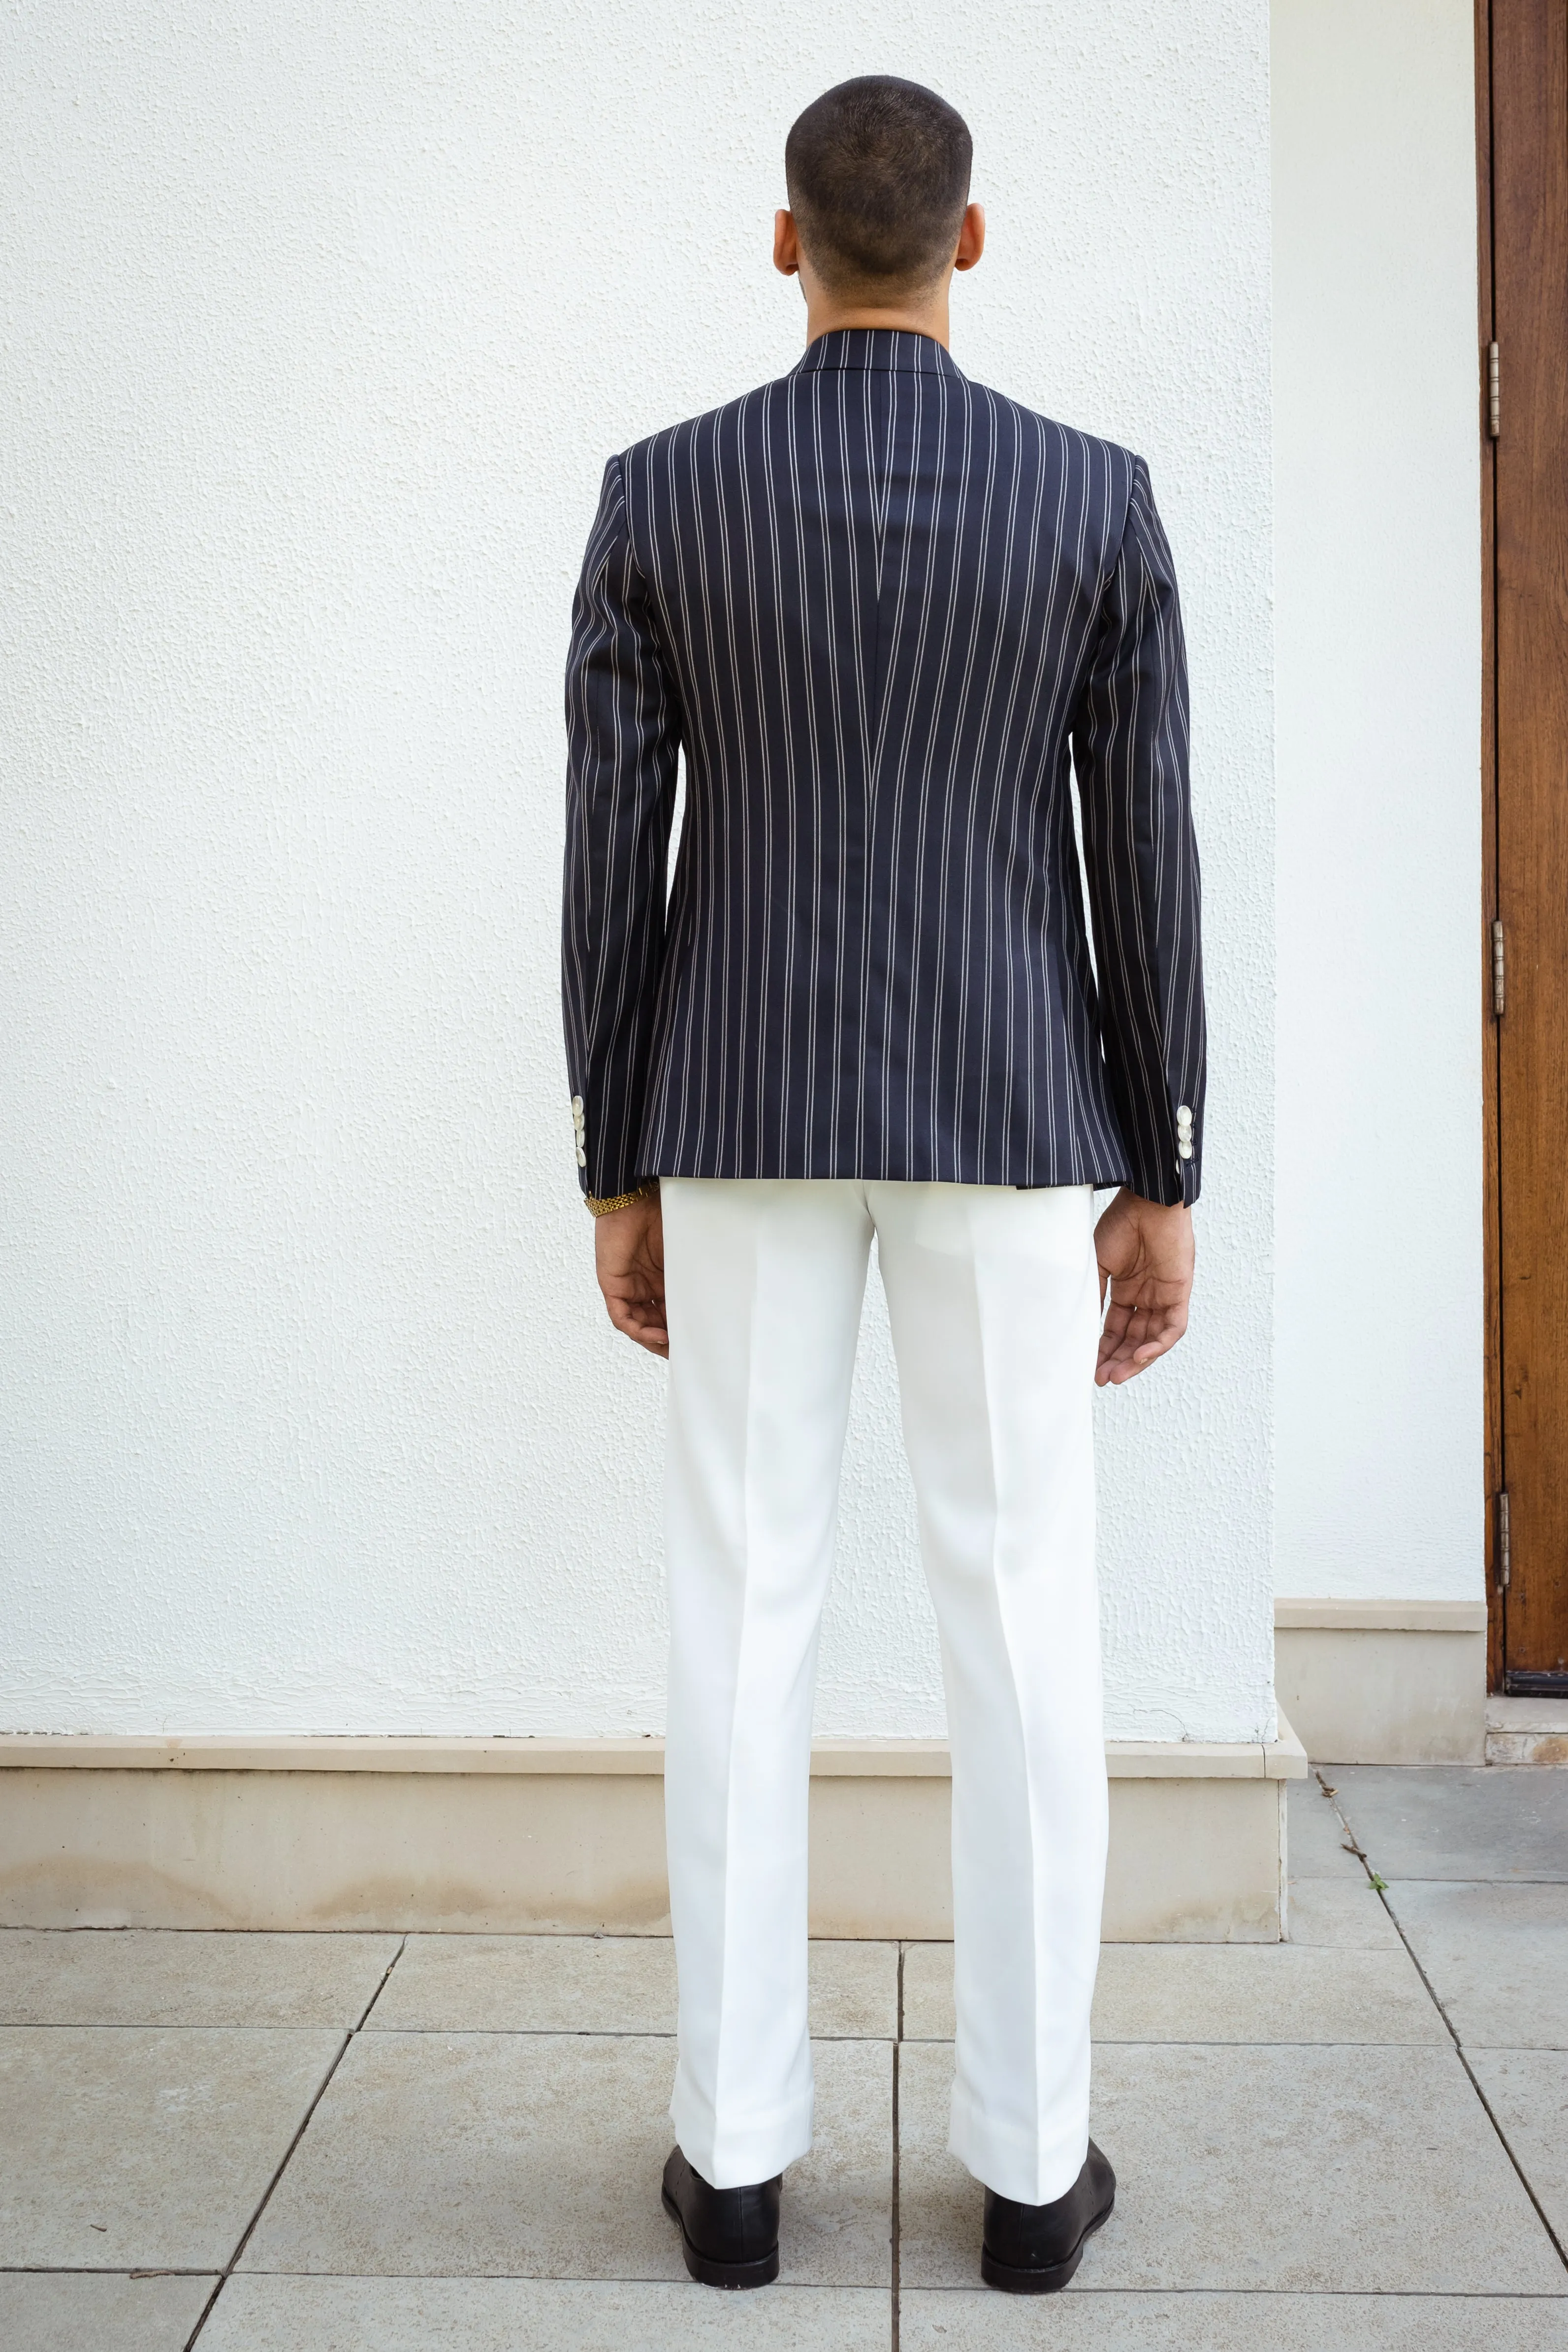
(1086, 452)
(730, 416)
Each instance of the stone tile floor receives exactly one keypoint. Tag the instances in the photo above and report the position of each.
(452, 2143)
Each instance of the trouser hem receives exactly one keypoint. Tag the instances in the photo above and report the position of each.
(736, 2157)
(1031, 2168)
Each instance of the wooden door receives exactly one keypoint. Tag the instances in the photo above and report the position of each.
(1524, 418)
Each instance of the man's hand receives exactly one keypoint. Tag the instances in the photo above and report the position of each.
(1146, 1255)
(628, 1259)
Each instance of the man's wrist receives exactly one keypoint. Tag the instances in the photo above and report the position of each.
(646, 1191)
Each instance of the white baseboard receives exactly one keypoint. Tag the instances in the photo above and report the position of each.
(567, 1836)
(1384, 1682)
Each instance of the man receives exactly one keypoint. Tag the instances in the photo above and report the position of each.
(883, 611)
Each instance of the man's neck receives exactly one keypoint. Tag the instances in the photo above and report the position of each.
(824, 317)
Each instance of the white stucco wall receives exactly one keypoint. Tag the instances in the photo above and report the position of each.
(1377, 565)
(321, 321)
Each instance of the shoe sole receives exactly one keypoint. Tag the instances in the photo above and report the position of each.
(1050, 2278)
(708, 2273)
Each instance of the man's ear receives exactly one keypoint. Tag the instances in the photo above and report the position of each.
(786, 245)
(971, 237)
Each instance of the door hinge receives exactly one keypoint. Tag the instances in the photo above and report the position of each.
(1494, 392)
(1504, 1558)
(1498, 969)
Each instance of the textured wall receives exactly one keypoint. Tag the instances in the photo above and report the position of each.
(1377, 558)
(321, 321)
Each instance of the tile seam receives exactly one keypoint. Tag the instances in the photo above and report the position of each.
(1382, 1886)
(249, 2230)
(799, 2286)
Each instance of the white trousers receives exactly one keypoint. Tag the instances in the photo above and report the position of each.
(994, 1303)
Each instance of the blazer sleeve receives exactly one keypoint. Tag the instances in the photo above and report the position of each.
(1130, 750)
(624, 743)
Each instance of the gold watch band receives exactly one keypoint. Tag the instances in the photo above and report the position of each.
(621, 1200)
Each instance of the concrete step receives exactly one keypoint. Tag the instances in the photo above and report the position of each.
(1527, 1730)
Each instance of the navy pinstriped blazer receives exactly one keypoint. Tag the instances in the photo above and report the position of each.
(880, 608)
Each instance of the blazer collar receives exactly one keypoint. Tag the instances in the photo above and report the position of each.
(895, 348)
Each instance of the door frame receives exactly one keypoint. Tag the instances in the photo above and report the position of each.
(1492, 1199)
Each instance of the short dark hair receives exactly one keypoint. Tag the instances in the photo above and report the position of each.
(878, 172)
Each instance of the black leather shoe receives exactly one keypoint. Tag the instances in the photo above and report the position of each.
(1035, 2249)
(729, 2236)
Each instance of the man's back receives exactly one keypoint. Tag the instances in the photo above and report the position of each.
(874, 603)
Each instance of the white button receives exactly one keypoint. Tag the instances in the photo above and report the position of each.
(582, 1157)
(1184, 1115)
(577, 1106)
(1184, 1149)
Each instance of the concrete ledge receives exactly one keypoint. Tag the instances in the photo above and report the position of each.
(1527, 1730)
(1382, 1616)
(832, 1759)
(1384, 1682)
(567, 1836)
